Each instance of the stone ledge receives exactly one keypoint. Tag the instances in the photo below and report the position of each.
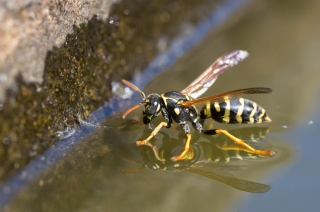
(30, 28)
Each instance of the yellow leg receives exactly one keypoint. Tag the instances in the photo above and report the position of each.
(147, 143)
(186, 149)
(154, 132)
(243, 144)
(234, 147)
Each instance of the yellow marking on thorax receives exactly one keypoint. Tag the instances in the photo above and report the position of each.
(158, 108)
(177, 111)
(165, 99)
(196, 119)
(193, 107)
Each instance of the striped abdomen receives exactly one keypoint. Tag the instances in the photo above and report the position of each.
(234, 110)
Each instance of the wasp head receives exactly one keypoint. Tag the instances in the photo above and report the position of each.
(152, 104)
(152, 108)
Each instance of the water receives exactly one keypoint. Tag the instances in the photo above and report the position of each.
(283, 43)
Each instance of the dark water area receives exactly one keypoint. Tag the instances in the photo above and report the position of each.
(282, 39)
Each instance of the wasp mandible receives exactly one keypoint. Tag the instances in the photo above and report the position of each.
(226, 108)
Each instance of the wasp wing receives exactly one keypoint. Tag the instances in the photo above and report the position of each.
(254, 90)
(242, 185)
(209, 76)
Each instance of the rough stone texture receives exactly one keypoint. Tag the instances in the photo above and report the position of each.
(29, 28)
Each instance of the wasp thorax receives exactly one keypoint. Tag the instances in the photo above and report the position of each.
(152, 108)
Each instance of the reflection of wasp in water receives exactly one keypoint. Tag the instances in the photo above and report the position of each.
(224, 108)
(200, 159)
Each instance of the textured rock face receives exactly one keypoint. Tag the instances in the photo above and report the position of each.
(29, 28)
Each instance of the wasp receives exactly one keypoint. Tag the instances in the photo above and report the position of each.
(180, 107)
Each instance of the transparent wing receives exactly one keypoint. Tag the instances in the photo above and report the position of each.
(209, 76)
(242, 185)
(229, 94)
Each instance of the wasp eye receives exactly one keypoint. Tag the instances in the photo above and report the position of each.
(150, 110)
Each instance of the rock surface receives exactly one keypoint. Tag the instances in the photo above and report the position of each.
(29, 28)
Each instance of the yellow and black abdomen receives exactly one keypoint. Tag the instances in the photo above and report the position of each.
(234, 110)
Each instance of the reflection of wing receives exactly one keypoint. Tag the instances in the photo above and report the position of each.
(243, 185)
(209, 76)
(229, 94)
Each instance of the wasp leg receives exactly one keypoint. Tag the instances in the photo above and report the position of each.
(154, 132)
(234, 147)
(184, 154)
(186, 149)
(147, 143)
(239, 142)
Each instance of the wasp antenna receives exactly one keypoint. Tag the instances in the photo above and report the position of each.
(143, 96)
(131, 109)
